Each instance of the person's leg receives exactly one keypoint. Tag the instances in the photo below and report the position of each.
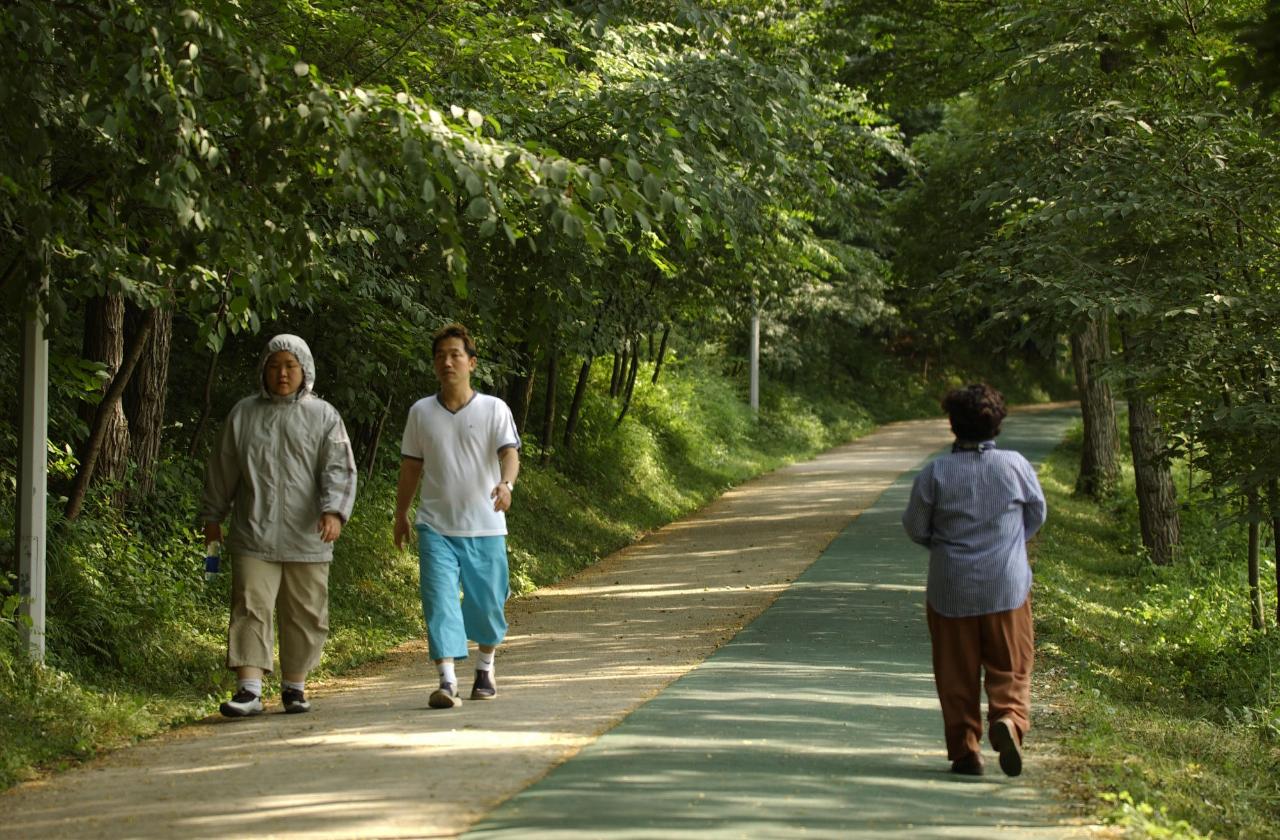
(1008, 655)
(303, 610)
(486, 588)
(958, 677)
(254, 586)
(438, 581)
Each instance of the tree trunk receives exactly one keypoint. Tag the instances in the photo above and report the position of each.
(619, 366)
(1275, 539)
(662, 353)
(104, 339)
(144, 399)
(549, 404)
(631, 381)
(207, 408)
(520, 389)
(1255, 579)
(1099, 459)
(526, 400)
(370, 459)
(109, 405)
(575, 407)
(1157, 499)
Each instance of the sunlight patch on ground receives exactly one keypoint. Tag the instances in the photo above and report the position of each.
(435, 741)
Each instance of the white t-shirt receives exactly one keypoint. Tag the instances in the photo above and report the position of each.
(459, 453)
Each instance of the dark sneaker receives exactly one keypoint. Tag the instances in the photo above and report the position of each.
(1005, 739)
(970, 765)
(484, 687)
(295, 702)
(445, 697)
(243, 703)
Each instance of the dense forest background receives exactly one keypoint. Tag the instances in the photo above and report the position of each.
(1066, 198)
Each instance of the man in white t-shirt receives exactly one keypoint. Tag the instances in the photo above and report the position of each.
(460, 455)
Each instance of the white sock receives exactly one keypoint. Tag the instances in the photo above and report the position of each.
(296, 686)
(447, 675)
(251, 685)
(484, 661)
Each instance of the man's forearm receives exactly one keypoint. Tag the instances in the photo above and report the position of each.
(407, 486)
(509, 463)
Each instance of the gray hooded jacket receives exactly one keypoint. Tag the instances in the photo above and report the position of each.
(279, 463)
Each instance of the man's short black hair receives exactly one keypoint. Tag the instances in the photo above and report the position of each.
(454, 330)
(976, 412)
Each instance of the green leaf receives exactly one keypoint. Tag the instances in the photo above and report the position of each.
(652, 188)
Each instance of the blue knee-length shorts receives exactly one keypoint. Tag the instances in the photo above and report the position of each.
(478, 567)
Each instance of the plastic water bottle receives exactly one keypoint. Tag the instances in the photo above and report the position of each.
(212, 560)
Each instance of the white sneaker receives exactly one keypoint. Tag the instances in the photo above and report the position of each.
(243, 703)
(295, 702)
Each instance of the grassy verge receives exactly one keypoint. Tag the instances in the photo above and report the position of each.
(1169, 710)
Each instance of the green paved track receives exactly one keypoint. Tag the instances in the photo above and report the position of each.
(817, 720)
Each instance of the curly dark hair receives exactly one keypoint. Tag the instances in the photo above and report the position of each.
(454, 330)
(976, 412)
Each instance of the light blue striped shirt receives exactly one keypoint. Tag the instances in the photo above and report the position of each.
(975, 509)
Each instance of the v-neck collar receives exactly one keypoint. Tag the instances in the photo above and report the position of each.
(474, 393)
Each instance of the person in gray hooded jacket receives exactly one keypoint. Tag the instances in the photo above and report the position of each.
(284, 471)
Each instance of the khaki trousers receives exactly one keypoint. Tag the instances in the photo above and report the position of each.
(1001, 644)
(300, 591)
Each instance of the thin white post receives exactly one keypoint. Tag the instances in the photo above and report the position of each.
(755, 357)
(33, 470)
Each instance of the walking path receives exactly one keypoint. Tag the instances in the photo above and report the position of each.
(817, 719)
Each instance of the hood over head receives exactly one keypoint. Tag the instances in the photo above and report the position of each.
(299, 349)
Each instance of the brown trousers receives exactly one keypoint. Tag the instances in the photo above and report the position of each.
(294, 594)
(1001, 644)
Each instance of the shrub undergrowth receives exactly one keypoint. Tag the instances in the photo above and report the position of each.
(1165, 699)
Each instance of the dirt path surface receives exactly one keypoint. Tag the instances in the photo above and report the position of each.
(373, 761)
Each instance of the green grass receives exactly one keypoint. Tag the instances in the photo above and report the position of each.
(685, 440)
(1166, 704)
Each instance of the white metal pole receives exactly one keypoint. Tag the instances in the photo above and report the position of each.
(33, 470)
(755, 358)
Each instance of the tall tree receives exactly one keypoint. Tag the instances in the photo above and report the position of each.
(1099, 459)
